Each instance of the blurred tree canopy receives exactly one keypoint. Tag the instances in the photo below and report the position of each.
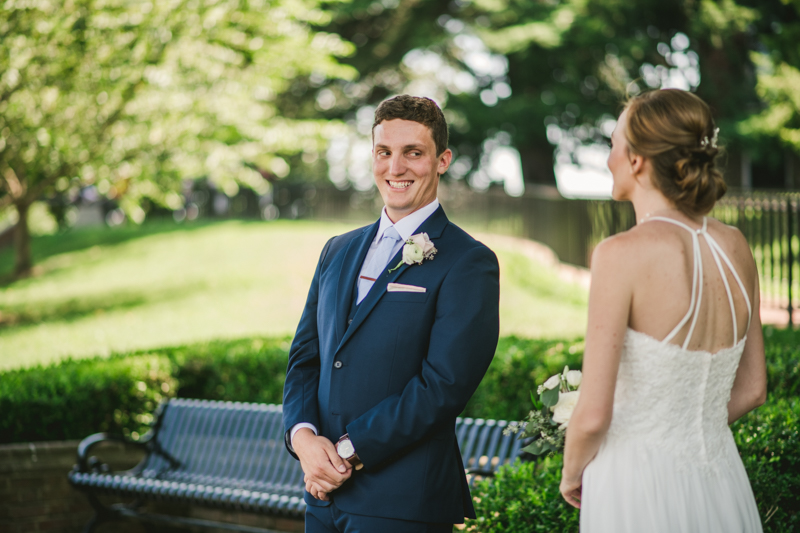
(777, 61)
(133, 96)
(551, 74)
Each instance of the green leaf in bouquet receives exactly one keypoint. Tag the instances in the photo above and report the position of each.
(548, 447)
(536, 403)
(535, 448)
(550, 397)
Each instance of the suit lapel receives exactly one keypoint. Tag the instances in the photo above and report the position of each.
(433, 226)
(353, 259)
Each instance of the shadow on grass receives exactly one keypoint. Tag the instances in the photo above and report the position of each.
(77, 308)
(47, 246)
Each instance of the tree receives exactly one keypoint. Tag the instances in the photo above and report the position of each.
(132, 97)
(777, 61)
(536, 73)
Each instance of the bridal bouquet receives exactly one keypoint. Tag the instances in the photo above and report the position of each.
(548, 422)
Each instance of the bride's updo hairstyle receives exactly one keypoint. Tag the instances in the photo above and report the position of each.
(675, 130)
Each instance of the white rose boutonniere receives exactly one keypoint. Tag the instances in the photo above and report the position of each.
(416, 249)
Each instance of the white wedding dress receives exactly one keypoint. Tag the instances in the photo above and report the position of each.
(669, 462)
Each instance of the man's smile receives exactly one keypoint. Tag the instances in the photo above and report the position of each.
(399, 184)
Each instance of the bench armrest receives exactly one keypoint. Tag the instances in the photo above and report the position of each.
(86, 463)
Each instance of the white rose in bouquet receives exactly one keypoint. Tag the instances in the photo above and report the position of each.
(552, 382)
(562, 411)
(574, 378)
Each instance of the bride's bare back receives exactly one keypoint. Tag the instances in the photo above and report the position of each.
(662, 261)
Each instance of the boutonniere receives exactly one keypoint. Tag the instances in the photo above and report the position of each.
(416, 249)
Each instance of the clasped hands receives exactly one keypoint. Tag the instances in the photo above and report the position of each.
(324, 470)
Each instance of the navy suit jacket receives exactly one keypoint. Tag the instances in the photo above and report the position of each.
(409, 364)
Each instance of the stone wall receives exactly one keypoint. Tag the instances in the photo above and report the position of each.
(36, 496)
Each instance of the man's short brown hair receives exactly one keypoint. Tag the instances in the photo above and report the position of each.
(417, 109)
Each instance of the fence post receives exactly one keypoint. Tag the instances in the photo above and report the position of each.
(790, 253)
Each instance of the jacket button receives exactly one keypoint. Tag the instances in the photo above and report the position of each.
(350, 321)
(337, 364)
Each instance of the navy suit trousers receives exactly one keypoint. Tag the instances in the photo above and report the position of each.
(331, 519)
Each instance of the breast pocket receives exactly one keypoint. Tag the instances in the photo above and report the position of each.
(405, 297)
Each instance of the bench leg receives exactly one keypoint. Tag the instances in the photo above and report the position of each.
(101, 513)
(93, 523)
(104, 513)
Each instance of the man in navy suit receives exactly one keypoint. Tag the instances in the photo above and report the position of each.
(400, 325)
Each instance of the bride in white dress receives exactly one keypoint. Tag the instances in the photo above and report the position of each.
(674, 348)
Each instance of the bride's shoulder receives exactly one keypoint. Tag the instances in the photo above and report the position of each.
(621, 250)
(636, 248)
(638, 239)
(728, 232)
(733, 242)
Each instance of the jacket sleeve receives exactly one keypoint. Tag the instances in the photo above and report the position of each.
(302, 373)
(462, 344)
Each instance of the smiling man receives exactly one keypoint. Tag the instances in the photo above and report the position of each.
(400, 325)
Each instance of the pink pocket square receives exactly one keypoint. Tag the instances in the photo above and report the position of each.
(399, 287)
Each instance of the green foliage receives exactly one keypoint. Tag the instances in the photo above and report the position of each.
(247, 370)
(523, 498)
(132, 97)
(73, 399)
(518, 366)
(769, 443)
(783, 362)
(778, 63)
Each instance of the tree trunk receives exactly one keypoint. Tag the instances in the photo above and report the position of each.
(537, 165)
(23, 262)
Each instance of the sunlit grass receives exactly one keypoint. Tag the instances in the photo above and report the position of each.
(99, 291)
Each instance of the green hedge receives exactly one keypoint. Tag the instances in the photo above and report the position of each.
(518, 367)
(782, 347)
(523, 498)
(254, 369)
(769, 443)
(75, 398)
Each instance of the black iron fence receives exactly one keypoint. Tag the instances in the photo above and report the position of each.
(572, 228)
(769, 221)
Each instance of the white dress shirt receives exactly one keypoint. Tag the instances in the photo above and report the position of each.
(405, 227)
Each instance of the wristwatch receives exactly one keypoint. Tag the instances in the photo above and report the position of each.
(347, 452)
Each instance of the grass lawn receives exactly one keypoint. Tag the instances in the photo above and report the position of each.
(98, 291)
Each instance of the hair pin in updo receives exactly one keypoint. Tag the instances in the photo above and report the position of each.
(705, 142)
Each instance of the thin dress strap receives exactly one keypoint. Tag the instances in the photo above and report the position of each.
(697, 280)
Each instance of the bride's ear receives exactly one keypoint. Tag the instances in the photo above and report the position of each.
(637, 164)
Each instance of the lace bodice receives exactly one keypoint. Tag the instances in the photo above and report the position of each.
(674, 399)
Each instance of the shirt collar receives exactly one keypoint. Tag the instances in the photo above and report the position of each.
(407, 225)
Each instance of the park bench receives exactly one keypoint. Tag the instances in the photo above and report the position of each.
(231, 455)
